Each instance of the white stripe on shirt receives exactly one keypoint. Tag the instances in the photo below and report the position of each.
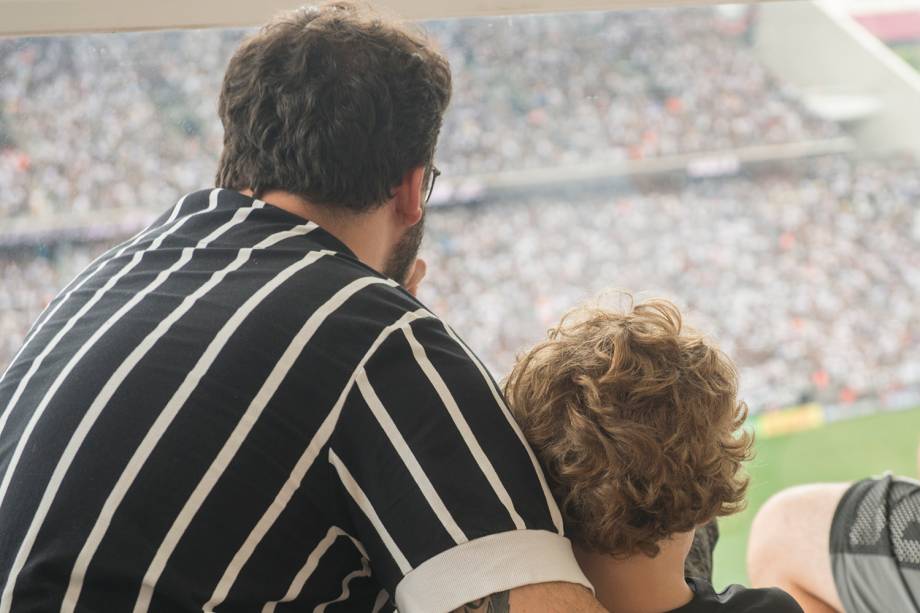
(382, 598)
(109, 388)
(357, 494)
(238, 217)
(409, 459)
(161, 278)
(87, 306)
(177, 208)
(165, 418)
(304, 574)
(238, 436)
(364, 571)
(550, 501)
(123, 371)
(91, 270)
(464, 427)
(297, 475)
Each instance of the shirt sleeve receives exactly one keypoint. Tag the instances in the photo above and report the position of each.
(440, 486)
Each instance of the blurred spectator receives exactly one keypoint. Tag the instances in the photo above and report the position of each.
(111, 120)
(808, 276)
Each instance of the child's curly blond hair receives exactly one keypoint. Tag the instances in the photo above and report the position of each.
(637, 423)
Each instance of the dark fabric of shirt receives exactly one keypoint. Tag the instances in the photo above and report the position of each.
(737, 599)
(207, 412)
(699, 560)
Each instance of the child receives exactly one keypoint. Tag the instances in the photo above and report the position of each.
(636, 421)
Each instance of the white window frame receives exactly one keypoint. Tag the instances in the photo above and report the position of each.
(40, 17)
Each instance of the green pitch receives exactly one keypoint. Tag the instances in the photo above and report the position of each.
(842, 451)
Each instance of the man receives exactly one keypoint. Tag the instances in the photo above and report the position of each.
(842, 546)
(636, 420)
(241, 409)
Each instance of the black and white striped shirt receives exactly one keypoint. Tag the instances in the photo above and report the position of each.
(230, 412)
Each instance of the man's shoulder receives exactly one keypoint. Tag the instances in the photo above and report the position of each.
(374, 287)
(740, 598)
(366, 300)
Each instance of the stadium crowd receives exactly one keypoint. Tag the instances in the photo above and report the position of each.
(808, 275)
(625, 85)
(609, 86)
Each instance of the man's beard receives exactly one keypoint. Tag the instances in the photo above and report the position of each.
(399, 266)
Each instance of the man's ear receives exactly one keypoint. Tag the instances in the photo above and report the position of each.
(408, 196)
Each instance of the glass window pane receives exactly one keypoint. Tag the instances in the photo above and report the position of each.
(669, 152)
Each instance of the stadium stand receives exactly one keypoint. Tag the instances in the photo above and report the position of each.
(766, 258)
(792, 270)
(648, 84)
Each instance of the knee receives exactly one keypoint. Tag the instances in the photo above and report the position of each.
(773, 543)
(765, 539)
(790, 533)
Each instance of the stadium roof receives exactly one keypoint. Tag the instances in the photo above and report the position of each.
(32, 17)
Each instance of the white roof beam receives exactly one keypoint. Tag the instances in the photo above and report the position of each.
(40, 17)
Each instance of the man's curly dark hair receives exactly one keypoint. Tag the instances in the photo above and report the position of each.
(332, 103)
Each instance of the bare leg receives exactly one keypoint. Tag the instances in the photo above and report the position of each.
(789, 546)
